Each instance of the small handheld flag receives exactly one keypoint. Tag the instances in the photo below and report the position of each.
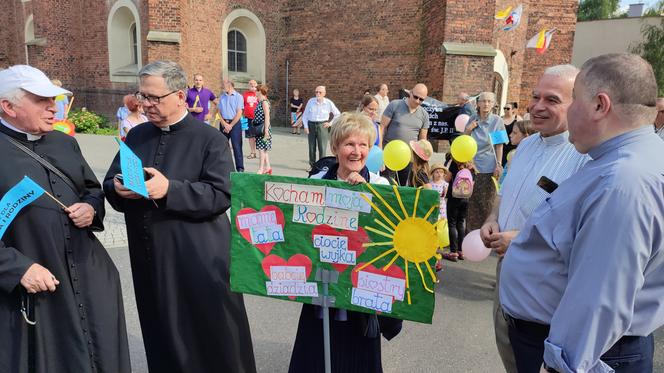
(16, 198)
(499, 137)
(132, 170)
(502, 14)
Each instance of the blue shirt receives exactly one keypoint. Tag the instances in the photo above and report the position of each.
(590, 259)
(554, 157)
(485, 158)
(230, 104)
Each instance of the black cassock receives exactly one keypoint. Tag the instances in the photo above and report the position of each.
(81, 326)
(180, 252)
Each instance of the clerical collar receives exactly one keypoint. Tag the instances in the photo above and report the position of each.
(29, 136)
(558, 139)
(168, 128)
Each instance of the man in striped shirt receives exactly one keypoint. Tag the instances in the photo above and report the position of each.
(541, 162)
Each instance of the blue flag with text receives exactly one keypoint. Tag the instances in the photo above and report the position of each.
(16, 198)
(132, 170)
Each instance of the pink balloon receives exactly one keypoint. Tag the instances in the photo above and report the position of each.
(473, 248)
(461, 121)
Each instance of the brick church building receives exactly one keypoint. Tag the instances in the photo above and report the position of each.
(96, 47)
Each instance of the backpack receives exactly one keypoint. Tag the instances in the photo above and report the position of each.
(462, 186)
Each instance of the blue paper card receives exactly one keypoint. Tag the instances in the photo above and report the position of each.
(132, 170)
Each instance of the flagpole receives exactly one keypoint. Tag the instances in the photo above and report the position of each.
(56, 200)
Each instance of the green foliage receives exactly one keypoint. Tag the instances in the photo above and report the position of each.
(655, 10)
(652, 50)
(597, 9)
(87, 121)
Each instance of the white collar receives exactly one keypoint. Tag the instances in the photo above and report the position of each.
(30, 136)
(168, 128)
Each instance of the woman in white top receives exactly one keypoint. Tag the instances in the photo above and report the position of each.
(135, 116)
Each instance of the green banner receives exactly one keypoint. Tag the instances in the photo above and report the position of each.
(379, 238)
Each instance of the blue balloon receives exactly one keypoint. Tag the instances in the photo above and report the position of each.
(375, 159)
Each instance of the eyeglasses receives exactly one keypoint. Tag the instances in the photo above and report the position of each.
(321, 92)
(416, 97)
(507, 108)
(153, 100)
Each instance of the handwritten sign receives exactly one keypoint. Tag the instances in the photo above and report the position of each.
(371, 300)
(347, 200)
(295, 194)
(132, 170)
(288, 273)
(257, 219)
(261, 234)
(315, 215)
(292, 289)
(395, 287)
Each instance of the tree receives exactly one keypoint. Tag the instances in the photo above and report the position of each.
(655, 10)
(652, 50)
(597, 9)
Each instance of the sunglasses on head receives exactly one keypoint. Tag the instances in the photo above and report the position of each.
(416, 97)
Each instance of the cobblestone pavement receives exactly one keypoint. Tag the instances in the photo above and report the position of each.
(460, 339)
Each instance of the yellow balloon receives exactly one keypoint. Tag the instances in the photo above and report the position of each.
(463, 148)
(396, 155)
(443, 232)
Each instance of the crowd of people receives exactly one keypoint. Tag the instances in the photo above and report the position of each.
(573, 209)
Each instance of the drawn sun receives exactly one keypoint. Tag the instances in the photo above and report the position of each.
(413, 238)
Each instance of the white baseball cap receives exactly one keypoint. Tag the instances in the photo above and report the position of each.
(30, 79)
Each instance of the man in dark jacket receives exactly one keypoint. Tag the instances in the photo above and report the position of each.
(51, 265)
(179, 240)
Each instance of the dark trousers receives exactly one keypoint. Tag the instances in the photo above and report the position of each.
(457, 209)
(235, 137)
(631, 354)
(318, 138)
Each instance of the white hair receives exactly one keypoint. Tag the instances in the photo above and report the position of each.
(488, 95)
(13, 96)
(562, 71)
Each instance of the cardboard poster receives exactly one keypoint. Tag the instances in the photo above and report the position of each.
(379, 238)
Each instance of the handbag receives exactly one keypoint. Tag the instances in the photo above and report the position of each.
(257, 128)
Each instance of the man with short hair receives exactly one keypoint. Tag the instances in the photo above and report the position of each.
(60, 297)
(467, 107)
(659, 120)
(317, 119)
(198, 99)
(250, 102)
(383, 99)
(179, 239)
(582, 286)
(546, 155)
(231, 105)
(406, 120)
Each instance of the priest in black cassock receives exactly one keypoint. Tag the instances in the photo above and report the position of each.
(51, 264)
(179, 239)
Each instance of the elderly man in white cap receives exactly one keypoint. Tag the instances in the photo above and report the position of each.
(60, 297)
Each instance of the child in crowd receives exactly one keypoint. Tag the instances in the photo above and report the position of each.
(521, 130)
(457, 209)
(419, 170)
(440, 181)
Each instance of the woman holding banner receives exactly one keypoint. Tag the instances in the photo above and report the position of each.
(488, 130)
(354, 336)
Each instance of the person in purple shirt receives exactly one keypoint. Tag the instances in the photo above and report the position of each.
(198, 98)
